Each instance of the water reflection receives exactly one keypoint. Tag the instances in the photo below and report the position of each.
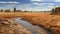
(32, 28)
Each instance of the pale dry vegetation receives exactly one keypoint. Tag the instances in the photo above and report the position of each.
(7, 26)
(44, 20)
(47, 20)
(51, 22)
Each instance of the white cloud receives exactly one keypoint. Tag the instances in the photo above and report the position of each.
(34, 8)
(13, 2)
(44, 4)
(36, 0)
(9, 2)
(51, 4)
(57, 0)
(36, 3)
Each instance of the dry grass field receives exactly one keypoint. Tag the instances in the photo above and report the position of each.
(36, 18)
(42, 19)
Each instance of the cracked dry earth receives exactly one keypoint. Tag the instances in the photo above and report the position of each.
(9, 27)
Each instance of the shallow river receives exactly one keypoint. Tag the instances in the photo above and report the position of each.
(32, 28)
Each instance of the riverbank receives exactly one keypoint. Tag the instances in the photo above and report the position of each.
(44, 20)
(51, 22)
(7, 26)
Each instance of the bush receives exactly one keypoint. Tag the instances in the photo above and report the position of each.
(56, 10)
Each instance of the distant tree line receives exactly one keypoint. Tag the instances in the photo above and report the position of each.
(14, 10)
(56, 10)
(8, 10)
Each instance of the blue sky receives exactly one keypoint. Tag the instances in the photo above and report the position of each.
(31, 5)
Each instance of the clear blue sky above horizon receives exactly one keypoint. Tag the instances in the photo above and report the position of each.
(32, 5)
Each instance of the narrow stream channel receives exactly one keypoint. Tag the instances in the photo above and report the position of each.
(32, 28)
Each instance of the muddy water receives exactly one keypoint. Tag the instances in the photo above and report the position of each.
(32, 28)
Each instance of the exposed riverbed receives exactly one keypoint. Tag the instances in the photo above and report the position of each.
(33, 28)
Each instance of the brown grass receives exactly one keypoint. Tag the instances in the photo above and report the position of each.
(42, 19)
